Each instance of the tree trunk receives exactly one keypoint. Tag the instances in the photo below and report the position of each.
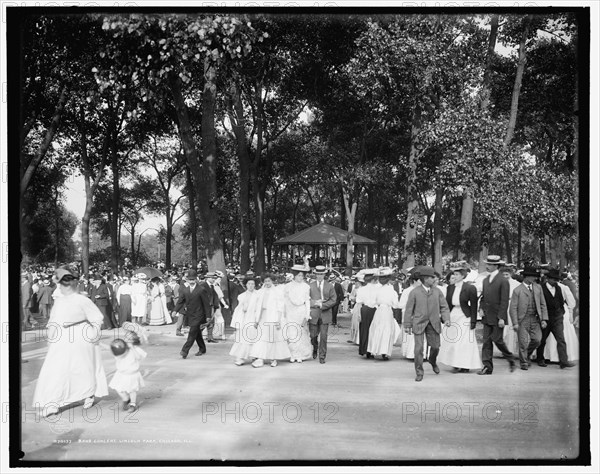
(507, 245)
(28, 173)
(437, 231)
(204, 173)
(342, 210)
(487, 75)
(116, 201)
(350, 214)
(413, 202)
(514, 106)
(133, 257)
(519, 243)
(56, 227)
(259, 256)
(236, 115)
(169, 236)
(193, 226)
(90, 189)
(466, 220)
(543, 249)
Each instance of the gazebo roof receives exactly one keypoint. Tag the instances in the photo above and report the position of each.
(323, 234)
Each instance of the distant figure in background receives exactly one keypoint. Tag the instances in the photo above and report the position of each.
(124, 301)
(45, 298)
(100, 296)
(139, 298)
(339, 291)
(26, 302)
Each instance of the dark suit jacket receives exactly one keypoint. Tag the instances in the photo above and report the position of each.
(467, 300)
(519, 303)
(102, 292)
(339, 291)
(45, 295)
(425, 307)
(196, 304)
(329, 300)
(494, 300)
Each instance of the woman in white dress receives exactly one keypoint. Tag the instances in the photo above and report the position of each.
(139, 298)
(408, 340)
(571, 340)
(296, 298)
(268, 317)
(72, 370)
(355, 312)
(384, 330)
(458, 346)
(243, 321)
(159, 314)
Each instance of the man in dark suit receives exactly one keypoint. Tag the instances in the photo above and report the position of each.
(528, 314)
(494, 305)
(339, 291)
(555, 304)
(425, 309)
(322, 299)
(195, 299)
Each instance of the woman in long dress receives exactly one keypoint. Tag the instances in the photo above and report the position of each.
(458, 346)
(296, 297)
(124, 301)
(384, 330)
(242, 321)
(268, 317)
(158, 314)
(139, 298)
(72, 370)
(355, 312)
(571, 340)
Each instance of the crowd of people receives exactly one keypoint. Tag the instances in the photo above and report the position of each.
(530, 314)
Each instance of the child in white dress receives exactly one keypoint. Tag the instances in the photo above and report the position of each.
(127, 380)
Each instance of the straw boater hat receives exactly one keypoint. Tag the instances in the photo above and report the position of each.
(320, 270)
(141, 276)
(494, 260)
(384, 272)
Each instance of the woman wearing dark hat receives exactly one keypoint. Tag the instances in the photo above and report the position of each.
(72, 370)
(459, 347)
(296, 297)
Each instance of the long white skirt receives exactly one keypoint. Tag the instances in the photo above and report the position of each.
(551, 351)
(355, 324)
(270, 344)
(458, 345)
(244, 338)
(72, 371)
(384, 332)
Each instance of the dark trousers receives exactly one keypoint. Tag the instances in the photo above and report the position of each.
(45, 310)
(554, 326)
(366, 318)
(108, 321)
(433, 341)
(319, 331)
(493, 335)
(529, 335)
(334, 312)
(195, 335)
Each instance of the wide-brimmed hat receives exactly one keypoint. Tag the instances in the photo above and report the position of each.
(63, 272)
(299, 268)
(494, 260)
(320, 270)
(384, 272)
(460, 265)
(140, 276)
(210, 275)
(530, 271)
(219, 273)
(97, 277)
(554, 274)
(426, 271)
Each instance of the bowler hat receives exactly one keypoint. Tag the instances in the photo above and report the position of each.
(191, 274)
(531, 272)
(426, 271)
(494, 260)
(554, 274)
